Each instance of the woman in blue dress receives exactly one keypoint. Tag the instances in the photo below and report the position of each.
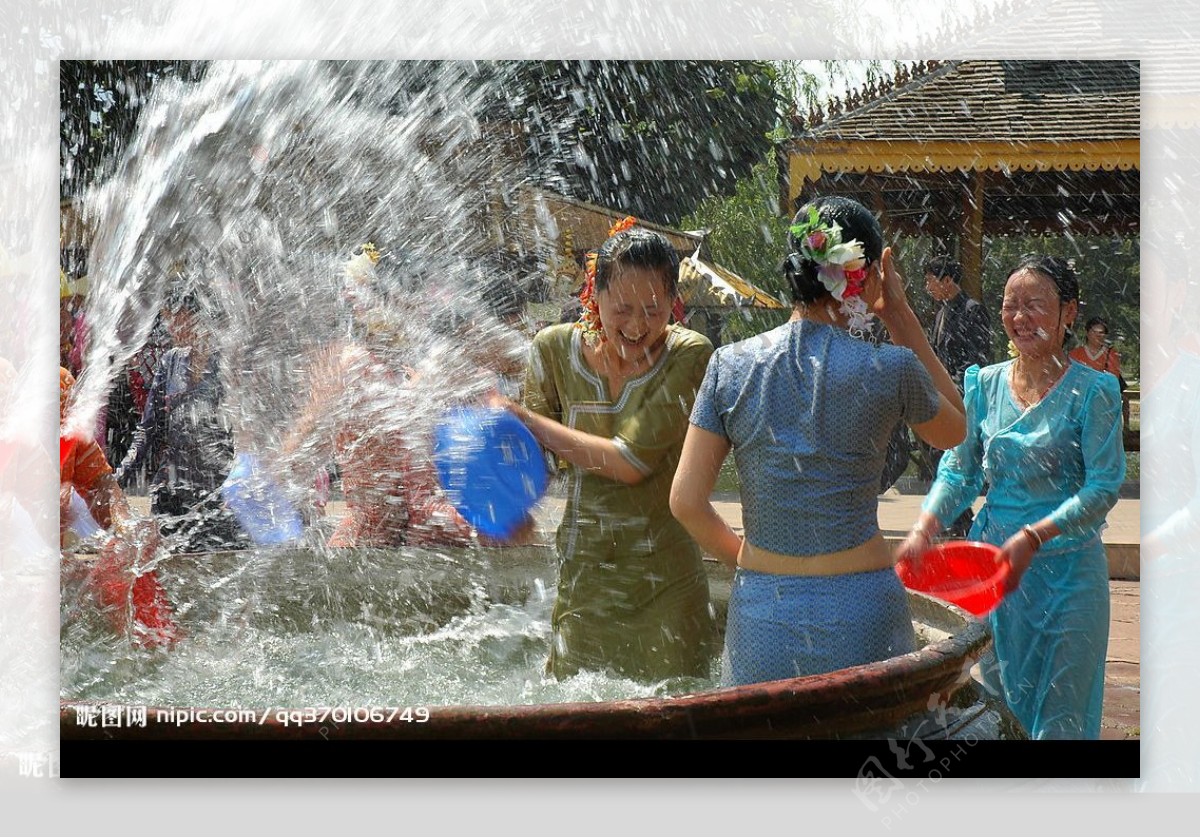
(1045, 434)
(808, 411)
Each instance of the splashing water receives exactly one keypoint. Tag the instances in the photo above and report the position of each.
(253, 186)
(251, 189)
(298, 628)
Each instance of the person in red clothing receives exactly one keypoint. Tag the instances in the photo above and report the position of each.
(86, 470)
(363, 411)
(1098, 353)
(132, 542)
(355, 416)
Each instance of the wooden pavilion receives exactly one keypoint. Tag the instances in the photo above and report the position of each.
(960, 150)
(568, 228)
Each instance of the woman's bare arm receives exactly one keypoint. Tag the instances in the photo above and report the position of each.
(699, 465)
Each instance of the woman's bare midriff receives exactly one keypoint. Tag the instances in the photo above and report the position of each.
(872, 554)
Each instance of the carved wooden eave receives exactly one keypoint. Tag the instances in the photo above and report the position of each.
(960, 150)
(810, 160)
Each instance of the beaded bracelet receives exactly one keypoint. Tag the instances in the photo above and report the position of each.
(921, 532)
(1033, 536)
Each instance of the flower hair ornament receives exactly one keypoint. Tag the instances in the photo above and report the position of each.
(841, 266)
(589, 317)
(370, 310)
(358, 274)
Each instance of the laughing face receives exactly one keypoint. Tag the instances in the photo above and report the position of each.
(1034, 317)
(941, 288)
(635, 308)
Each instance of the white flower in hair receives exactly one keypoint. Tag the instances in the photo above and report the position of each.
(360, 278)
(841, 266)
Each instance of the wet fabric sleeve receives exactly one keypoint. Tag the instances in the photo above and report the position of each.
(919, 396)
(705, 412)
(87, 465)
(1103, 460)
(540, 390)
(657, 428)
(960, 473)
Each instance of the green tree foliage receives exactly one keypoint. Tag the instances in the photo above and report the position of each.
(99, 105)
(747, 230)
(651, 138)
(747, 234)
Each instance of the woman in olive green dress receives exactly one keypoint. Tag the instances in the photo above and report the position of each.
(611, 396)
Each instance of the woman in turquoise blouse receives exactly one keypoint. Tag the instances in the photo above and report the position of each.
(1045, 434)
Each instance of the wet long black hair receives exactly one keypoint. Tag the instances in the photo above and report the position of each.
(856, 221)
(637, 247)
(1059, 271)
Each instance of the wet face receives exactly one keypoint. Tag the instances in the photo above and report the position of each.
(1034, 318)
(181, 324)
(940, 288)
(1097, 336)
(635, 308)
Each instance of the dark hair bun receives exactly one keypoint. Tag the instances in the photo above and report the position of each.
(856, 223)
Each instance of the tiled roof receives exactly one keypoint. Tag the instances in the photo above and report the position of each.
(589, 223)
(1163, 38)
(1004, 101)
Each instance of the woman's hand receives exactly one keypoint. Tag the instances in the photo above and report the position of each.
(1018, 551)
(892, 303)
(592, 453)
(912, 548)
(918, 541)
(526, 533)
(497, 400)
(948, 427)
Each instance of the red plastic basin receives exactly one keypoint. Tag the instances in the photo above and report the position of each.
(66, 444)
(968, 574)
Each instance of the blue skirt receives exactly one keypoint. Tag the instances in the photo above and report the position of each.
(1051, 641)
(785, 626)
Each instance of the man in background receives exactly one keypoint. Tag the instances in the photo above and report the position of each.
(962, 336)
